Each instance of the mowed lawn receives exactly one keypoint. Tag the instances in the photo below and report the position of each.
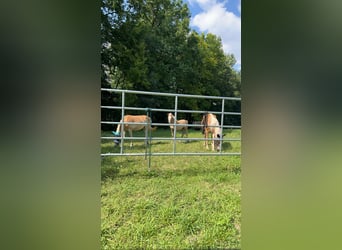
(183, 202)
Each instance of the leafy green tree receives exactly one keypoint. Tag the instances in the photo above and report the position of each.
(148, 45)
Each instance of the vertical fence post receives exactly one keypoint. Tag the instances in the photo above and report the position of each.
(222, 121)
(122, 121)
(146, 134)
(174, 125)
(149, 139)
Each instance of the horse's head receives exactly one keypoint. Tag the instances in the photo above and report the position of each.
(169, 117)
(217, 141)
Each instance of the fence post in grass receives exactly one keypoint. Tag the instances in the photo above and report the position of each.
(122, 121)
(175, 125)
(148, 139)
(222, 121)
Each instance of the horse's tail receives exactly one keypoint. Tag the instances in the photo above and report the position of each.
(118, 129)
(149, 121)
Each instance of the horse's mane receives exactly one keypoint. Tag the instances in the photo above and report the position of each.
(204, 122)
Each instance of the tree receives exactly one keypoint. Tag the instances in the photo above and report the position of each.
(147, 45)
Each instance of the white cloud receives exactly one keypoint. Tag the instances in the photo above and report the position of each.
(204, 4)
(216, 19)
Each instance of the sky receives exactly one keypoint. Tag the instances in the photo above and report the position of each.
(222, 18)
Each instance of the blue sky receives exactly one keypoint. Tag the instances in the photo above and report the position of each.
(222, 18)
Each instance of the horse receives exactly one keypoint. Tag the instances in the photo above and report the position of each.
(129, 126)
(210, 124)
(183, 125)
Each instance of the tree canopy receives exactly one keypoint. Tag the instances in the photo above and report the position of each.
(147, 45)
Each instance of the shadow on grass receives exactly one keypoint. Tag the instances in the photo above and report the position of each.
(108, 168)
(109, 173)
(166, 142)
(112, 148)
(114, 172)
(166, 173)
(226, 146)
(111, 167)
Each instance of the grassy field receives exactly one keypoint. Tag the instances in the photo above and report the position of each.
(183, 202)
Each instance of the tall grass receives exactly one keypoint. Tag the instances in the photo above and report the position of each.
(184, 202)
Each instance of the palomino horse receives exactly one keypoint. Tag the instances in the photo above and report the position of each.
(183, 125)
(130, 126)
(211, 125)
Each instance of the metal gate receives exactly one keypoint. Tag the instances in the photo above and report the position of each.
(175, 110)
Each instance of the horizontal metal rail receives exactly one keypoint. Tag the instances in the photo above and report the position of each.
(168, 138)
(172, 110)
(170, 154)
(167, 124)
(171, 94)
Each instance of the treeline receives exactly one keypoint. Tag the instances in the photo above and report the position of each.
(147, 45)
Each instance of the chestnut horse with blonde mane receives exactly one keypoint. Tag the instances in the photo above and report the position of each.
(180, 125)
(130, 126)
(211, 125)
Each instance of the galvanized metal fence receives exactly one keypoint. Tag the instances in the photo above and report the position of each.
(148, 152)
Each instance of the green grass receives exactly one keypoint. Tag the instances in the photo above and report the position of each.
(183, 202)
(159, 146)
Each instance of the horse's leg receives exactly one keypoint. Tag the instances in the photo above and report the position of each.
(146, 135)
(207, 141)
(123, 135)
(131, 135)
(213, 138)
(212, 142)
(206, 136)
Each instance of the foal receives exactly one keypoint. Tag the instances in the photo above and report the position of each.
(183, 125)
